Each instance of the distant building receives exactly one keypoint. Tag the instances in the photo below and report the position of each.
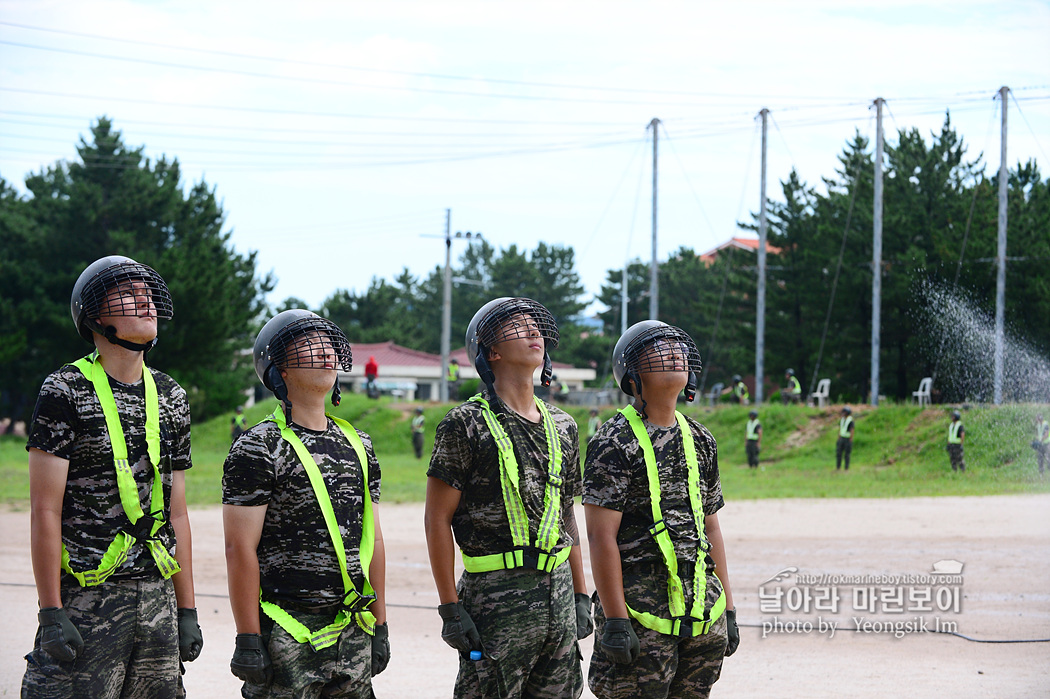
(748, 244)
(415, 375)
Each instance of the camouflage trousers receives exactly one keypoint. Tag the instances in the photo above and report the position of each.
(527, 623)
(131, 644)
(955, 454)
(668, 666)
(343, 669)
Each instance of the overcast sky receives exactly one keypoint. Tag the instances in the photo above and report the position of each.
(338, 133)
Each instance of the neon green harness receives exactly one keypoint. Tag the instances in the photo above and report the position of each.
(700, 619)
(355, 604)
(540, 555)
(118, 549)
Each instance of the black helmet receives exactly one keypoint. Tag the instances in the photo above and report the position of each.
(846, 409)
(789, 372)
(280, 334)
(486, 329)
(736, 378)
(90, 297)
(753, 414)
(630, 349)
(956, 415)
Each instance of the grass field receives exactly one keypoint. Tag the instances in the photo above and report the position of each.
(898, 451)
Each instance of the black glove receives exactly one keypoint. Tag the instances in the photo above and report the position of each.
(58, 636)
(732, 631)
(619, 641)
(190, 639)
(380, 649)
(584, 620)
(251, 660)
(458, 629)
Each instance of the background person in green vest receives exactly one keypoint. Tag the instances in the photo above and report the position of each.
(665, 617)
(956, 437)
(453, 379)
(418, 428)
(792, 389)
(740, 393)
(753, 443)
(304, 548)
(1041, 443)
(517, 606)
(844, 445)
(110, 442)
(237, 425)
(593, 423)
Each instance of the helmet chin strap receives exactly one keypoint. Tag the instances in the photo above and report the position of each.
(335, 393)
(548, 370)
(110, 333)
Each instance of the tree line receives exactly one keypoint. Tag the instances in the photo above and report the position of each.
(939, 232)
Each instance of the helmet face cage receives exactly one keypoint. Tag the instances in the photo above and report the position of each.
(514, 319)
(310, 343)
(119, 290)
(662, 348)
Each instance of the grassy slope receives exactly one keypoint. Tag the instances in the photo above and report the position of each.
(898, 451)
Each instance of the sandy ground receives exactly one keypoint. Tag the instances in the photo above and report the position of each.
(1003, 543)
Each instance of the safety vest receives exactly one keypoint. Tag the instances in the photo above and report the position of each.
(844, 425)
(752, 429)
(741, 390)
(355, 604)
(540, 554)
(953, 432)
(140, 529)
(453, 372)
(417, 423)
(700, 618)
(239, 421)
(1042, 432)
(796, 387)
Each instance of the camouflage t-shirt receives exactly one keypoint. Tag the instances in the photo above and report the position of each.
(465, 457)
(68, 422)
(297, 561)
(615, 477)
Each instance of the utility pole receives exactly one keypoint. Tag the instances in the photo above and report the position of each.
(654, 280)
(623, 300)
(446, 310)
(1000, 278)
(760, 313)
(876, 258)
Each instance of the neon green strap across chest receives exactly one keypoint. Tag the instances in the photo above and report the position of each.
(699, 619)
(118, 549)
(539, 554)
(355, 604)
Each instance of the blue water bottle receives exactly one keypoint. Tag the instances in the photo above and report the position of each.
(475, 655)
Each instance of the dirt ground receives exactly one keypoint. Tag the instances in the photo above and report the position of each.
(1002, 542)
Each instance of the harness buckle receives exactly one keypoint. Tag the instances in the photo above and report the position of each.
(355, 602)
(142, 530)
(683, 626)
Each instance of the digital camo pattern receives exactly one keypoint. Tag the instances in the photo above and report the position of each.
(68, 422)
(667, 666)
(297, 561)
(465, 457)
(343, 669)
(527, 623)
(131, 644)
(615, 477)
(955, 455)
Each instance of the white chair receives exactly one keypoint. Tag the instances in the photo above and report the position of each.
(820, 396)
(923, 394)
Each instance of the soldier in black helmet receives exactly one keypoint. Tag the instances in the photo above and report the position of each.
(501, 483)
(665, 617)
(739, 388)
(304, 548)
(109, 446)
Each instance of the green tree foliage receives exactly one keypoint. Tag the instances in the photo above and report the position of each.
(113, 200)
